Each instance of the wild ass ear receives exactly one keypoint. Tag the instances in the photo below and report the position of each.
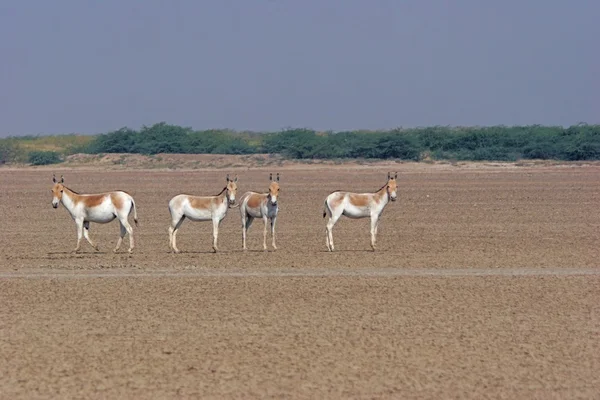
(388, 176)
(54, 178)
(278, 177)
(396, 176)
(227, 177)
(62, 179)
(235, 180)
(270, 177)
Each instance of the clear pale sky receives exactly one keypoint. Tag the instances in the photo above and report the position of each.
(75, 66)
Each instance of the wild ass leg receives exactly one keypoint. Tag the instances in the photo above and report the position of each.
(244, 225)
(273, 221)
(175, 225)
(216, 223)
(266, 221)
(130, 232)
(125, 229)
(327, 212)
(246, 222)
(329, 232)
(374, 223)
(332, 220)
(79, 225)
(122, 233)
(86, 234)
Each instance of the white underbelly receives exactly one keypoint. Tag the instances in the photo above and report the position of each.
(254, 212)
(102, 214)
(260, 212)
(351, 211)
(197, 215)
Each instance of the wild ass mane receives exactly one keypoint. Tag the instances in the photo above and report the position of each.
(71, 190)
(221, 192)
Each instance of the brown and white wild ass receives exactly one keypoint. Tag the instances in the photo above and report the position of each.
(100, 208)
(358, 205)
(260, 205)
(206, 208)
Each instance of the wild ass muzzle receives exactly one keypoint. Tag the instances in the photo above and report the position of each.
(359, 205)
(260, 205)
(205, 208)
(101, 208)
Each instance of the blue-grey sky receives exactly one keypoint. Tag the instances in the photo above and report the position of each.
(76, 66)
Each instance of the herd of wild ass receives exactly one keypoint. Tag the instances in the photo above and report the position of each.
(105, 207)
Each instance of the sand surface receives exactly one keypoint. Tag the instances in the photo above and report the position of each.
(485, 284)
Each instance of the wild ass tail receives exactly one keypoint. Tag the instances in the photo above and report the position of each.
(135, 218)
(325, 209)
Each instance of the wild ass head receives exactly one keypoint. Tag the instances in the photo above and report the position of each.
(231, 189)
(57, 190)
(392, 186)
(274, 189)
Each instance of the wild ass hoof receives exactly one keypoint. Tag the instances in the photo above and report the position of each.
(130, 251)
(116, 250)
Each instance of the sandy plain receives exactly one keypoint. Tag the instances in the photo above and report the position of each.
(485, 284)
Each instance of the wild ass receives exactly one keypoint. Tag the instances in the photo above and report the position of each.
(358, 205)
(260, 205)
(206, 208)
(100, 208)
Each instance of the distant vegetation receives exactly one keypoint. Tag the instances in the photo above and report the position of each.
(496, 143)
(37, 157)
(22, 148)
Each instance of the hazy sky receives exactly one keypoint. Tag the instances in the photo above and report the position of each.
(93, 66)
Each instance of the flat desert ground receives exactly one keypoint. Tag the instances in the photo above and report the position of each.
(485, 284)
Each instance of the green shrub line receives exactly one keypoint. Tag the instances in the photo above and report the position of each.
(494, 143)
(43, 157)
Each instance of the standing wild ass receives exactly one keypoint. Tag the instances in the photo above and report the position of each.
(358, 205)
(206, 208)
(260, 205)
(100, 208)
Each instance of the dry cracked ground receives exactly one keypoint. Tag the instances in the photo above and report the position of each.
(485, 284)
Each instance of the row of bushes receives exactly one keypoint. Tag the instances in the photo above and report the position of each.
(164, 138)
(11, 152)
(499, 143)
(38, 157)
(578, 142)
